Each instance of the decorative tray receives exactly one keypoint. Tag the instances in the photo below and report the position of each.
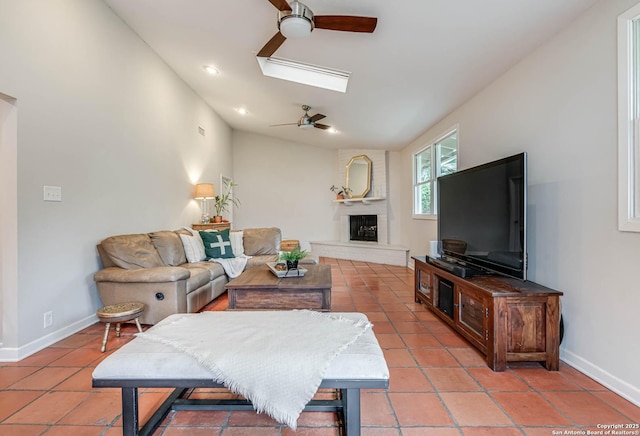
(300, 272)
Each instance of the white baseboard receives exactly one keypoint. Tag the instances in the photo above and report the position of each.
(17, 354)
(620, 387)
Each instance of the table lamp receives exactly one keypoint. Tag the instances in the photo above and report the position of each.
(204, 192)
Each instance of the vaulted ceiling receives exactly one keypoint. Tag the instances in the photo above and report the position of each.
(424, 59)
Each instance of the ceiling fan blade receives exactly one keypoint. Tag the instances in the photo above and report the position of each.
(286, 124)
(270, 47)
(281, 5)
(317, 117)
(321, 126)
(346, 23)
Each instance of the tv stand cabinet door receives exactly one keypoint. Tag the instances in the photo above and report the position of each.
(423, 284)
(525, 330)
(472, 315)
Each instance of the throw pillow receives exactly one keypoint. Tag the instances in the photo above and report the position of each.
(193, 246)
(217, 244)
(237, 244)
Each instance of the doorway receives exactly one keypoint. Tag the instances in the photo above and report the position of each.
(8, 222)
(226, 187)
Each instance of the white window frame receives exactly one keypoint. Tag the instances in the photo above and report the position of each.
(628, 122)
(435, 172)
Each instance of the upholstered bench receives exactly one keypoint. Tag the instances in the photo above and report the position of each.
(142, 363)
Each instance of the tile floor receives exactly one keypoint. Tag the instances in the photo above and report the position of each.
(439, 384)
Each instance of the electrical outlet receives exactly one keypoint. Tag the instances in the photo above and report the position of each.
(48, 319)
(52, 193)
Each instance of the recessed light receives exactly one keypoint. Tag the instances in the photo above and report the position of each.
(242, 111)
(332, 130)
(211, 70)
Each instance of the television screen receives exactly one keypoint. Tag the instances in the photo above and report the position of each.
(482, 216)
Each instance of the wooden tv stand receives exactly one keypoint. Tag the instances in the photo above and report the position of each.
(508, 320)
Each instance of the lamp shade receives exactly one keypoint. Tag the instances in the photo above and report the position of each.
(204, 190)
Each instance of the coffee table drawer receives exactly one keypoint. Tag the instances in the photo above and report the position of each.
(270, 299)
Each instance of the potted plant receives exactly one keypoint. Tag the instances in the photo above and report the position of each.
(223, 202)
(340, 192)
(292, 257)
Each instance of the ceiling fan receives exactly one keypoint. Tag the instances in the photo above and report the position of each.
(296, 20)
(306, 121)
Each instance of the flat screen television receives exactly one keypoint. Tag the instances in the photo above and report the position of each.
(482, 217)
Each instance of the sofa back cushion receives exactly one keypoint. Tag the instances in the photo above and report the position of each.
(261, 241)
(169, 247)
(132, 251)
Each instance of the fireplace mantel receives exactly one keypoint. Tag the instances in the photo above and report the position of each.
(351, 201)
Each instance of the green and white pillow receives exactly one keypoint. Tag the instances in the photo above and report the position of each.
(217, 244)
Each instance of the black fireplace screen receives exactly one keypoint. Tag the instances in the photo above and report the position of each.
(363, 228)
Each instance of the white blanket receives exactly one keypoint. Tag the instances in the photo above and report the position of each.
(276, 359)
(233, 266)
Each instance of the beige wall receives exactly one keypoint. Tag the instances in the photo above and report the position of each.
(102, 116)
(559, 105)
(285, 184)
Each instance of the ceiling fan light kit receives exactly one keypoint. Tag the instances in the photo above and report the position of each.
(296, 23)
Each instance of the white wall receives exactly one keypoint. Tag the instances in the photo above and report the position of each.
(559, 105)
(100, 115)
(285, 184)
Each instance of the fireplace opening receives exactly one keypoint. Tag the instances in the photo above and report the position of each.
(363, 228)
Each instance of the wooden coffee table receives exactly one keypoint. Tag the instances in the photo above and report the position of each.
(258, 288)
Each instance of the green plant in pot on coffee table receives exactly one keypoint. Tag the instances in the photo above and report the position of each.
(223, 202)
(292, 257)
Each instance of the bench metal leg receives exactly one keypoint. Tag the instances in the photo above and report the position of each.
(351, 410)
(129, 411)
(349, 405)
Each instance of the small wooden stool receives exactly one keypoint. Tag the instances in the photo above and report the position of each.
(118, 313)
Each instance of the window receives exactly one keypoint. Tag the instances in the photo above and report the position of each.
(629, 120)
(436, 159)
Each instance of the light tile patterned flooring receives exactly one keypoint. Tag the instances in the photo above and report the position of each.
(439, 384)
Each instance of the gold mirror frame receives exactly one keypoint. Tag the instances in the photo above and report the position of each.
(356, 186)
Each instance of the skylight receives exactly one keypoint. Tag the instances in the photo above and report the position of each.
(306, 74)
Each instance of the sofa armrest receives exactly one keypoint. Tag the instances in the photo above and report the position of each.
(160, 274)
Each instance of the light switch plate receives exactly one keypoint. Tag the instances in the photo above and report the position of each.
(52, 193)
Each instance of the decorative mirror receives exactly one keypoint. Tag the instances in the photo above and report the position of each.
(358, 176)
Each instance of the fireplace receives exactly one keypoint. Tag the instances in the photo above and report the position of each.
(363, 228)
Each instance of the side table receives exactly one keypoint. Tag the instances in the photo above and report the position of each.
(211, 226)
(289, 244)
(119, 313)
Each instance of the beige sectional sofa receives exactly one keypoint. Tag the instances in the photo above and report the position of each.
(152, 268)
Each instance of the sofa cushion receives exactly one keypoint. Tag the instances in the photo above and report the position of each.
(236, 242)
(261, 241)
(199, 277)
(261, 260)
(217, 244)
(169, 247)
(193, 246)
(214, 268)
(132, 251)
